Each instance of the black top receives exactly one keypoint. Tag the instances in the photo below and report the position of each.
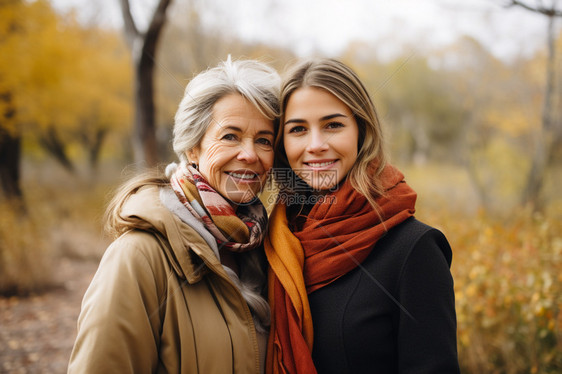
(393, 314)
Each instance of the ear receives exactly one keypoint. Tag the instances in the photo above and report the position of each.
(193, 155)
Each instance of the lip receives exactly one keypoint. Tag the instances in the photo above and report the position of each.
(244, 176)
(321, 164)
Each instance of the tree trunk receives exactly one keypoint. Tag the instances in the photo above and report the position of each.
(144, 143)
(94, 148)
(10, 158)
(543, 141)
(10, 162)
(474, 169)
(56, 148)
(143, 50)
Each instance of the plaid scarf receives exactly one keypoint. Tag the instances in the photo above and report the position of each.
(238, 230)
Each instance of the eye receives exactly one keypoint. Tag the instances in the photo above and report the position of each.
(264, 141)
(334, 125)
(229, 137)
(296, 129)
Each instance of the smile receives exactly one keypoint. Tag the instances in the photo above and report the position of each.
(243, 176)
(321, 164)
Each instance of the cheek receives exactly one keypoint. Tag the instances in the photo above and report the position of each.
(291, 150)
(267, 160)
(212, 160)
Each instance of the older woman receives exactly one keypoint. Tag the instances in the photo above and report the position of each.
(180, 288)
(357, 284)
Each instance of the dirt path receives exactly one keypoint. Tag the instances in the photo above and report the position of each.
(37, 332)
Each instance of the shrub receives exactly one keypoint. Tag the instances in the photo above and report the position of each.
(508, 285)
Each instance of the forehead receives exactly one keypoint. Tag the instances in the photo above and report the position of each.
(310, 100)
(233, 105)
(236, 112)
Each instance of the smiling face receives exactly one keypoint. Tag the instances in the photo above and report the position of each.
(236, 153)
(320, 137)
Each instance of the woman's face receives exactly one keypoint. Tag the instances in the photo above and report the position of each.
(320, 137)
(236, 153)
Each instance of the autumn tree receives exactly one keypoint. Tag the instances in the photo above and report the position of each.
(478, 81)
(62, 85)
(143, 47)
(11, 34)
(78, 89)
(98, 90)
(550, 134)
(87, 95)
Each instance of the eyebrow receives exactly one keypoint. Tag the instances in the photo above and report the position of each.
(238, 129)
(325, 118)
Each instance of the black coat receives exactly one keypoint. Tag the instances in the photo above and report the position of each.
(393, 314)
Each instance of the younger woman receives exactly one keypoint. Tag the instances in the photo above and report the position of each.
(356, 284)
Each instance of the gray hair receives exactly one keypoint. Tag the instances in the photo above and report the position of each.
(255, 81)
(259, 84)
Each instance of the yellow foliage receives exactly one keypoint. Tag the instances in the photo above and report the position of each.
(507, 272)
(514, 122)
(60, 73)
(508, 290)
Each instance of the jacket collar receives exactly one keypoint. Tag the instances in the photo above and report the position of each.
(189, 254)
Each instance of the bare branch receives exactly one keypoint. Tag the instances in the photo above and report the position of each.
(155, 27)
(540, 8)
(131, 30)
(143, 51)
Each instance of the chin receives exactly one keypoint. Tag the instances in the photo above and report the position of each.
(322, 187)
(241, 197)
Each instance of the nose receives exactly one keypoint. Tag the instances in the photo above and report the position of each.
(317, 142)
(247, 153)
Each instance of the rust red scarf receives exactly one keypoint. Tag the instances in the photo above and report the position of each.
(335, 238)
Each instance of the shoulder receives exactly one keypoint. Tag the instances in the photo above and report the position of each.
(136, 243)
(414, 235)
(410, 246)
(423, 267)
(136, 254)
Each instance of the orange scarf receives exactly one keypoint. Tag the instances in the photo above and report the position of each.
(333, 241)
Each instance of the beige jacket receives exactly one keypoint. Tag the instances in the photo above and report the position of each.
(161, 302)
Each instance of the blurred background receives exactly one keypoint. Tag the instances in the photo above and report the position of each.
(470, 94)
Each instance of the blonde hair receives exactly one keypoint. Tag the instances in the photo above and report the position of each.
(341, 81)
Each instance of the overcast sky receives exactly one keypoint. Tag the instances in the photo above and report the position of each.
(329, 25)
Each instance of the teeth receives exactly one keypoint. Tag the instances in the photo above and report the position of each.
(320, 164)
(243, 176)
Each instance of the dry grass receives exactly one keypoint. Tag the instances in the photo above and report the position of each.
(25, 253)
(63, 219)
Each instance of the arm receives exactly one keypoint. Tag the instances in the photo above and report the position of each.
(427, 342)
(118, 327)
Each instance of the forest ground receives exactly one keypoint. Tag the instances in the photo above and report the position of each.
(37, 332)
